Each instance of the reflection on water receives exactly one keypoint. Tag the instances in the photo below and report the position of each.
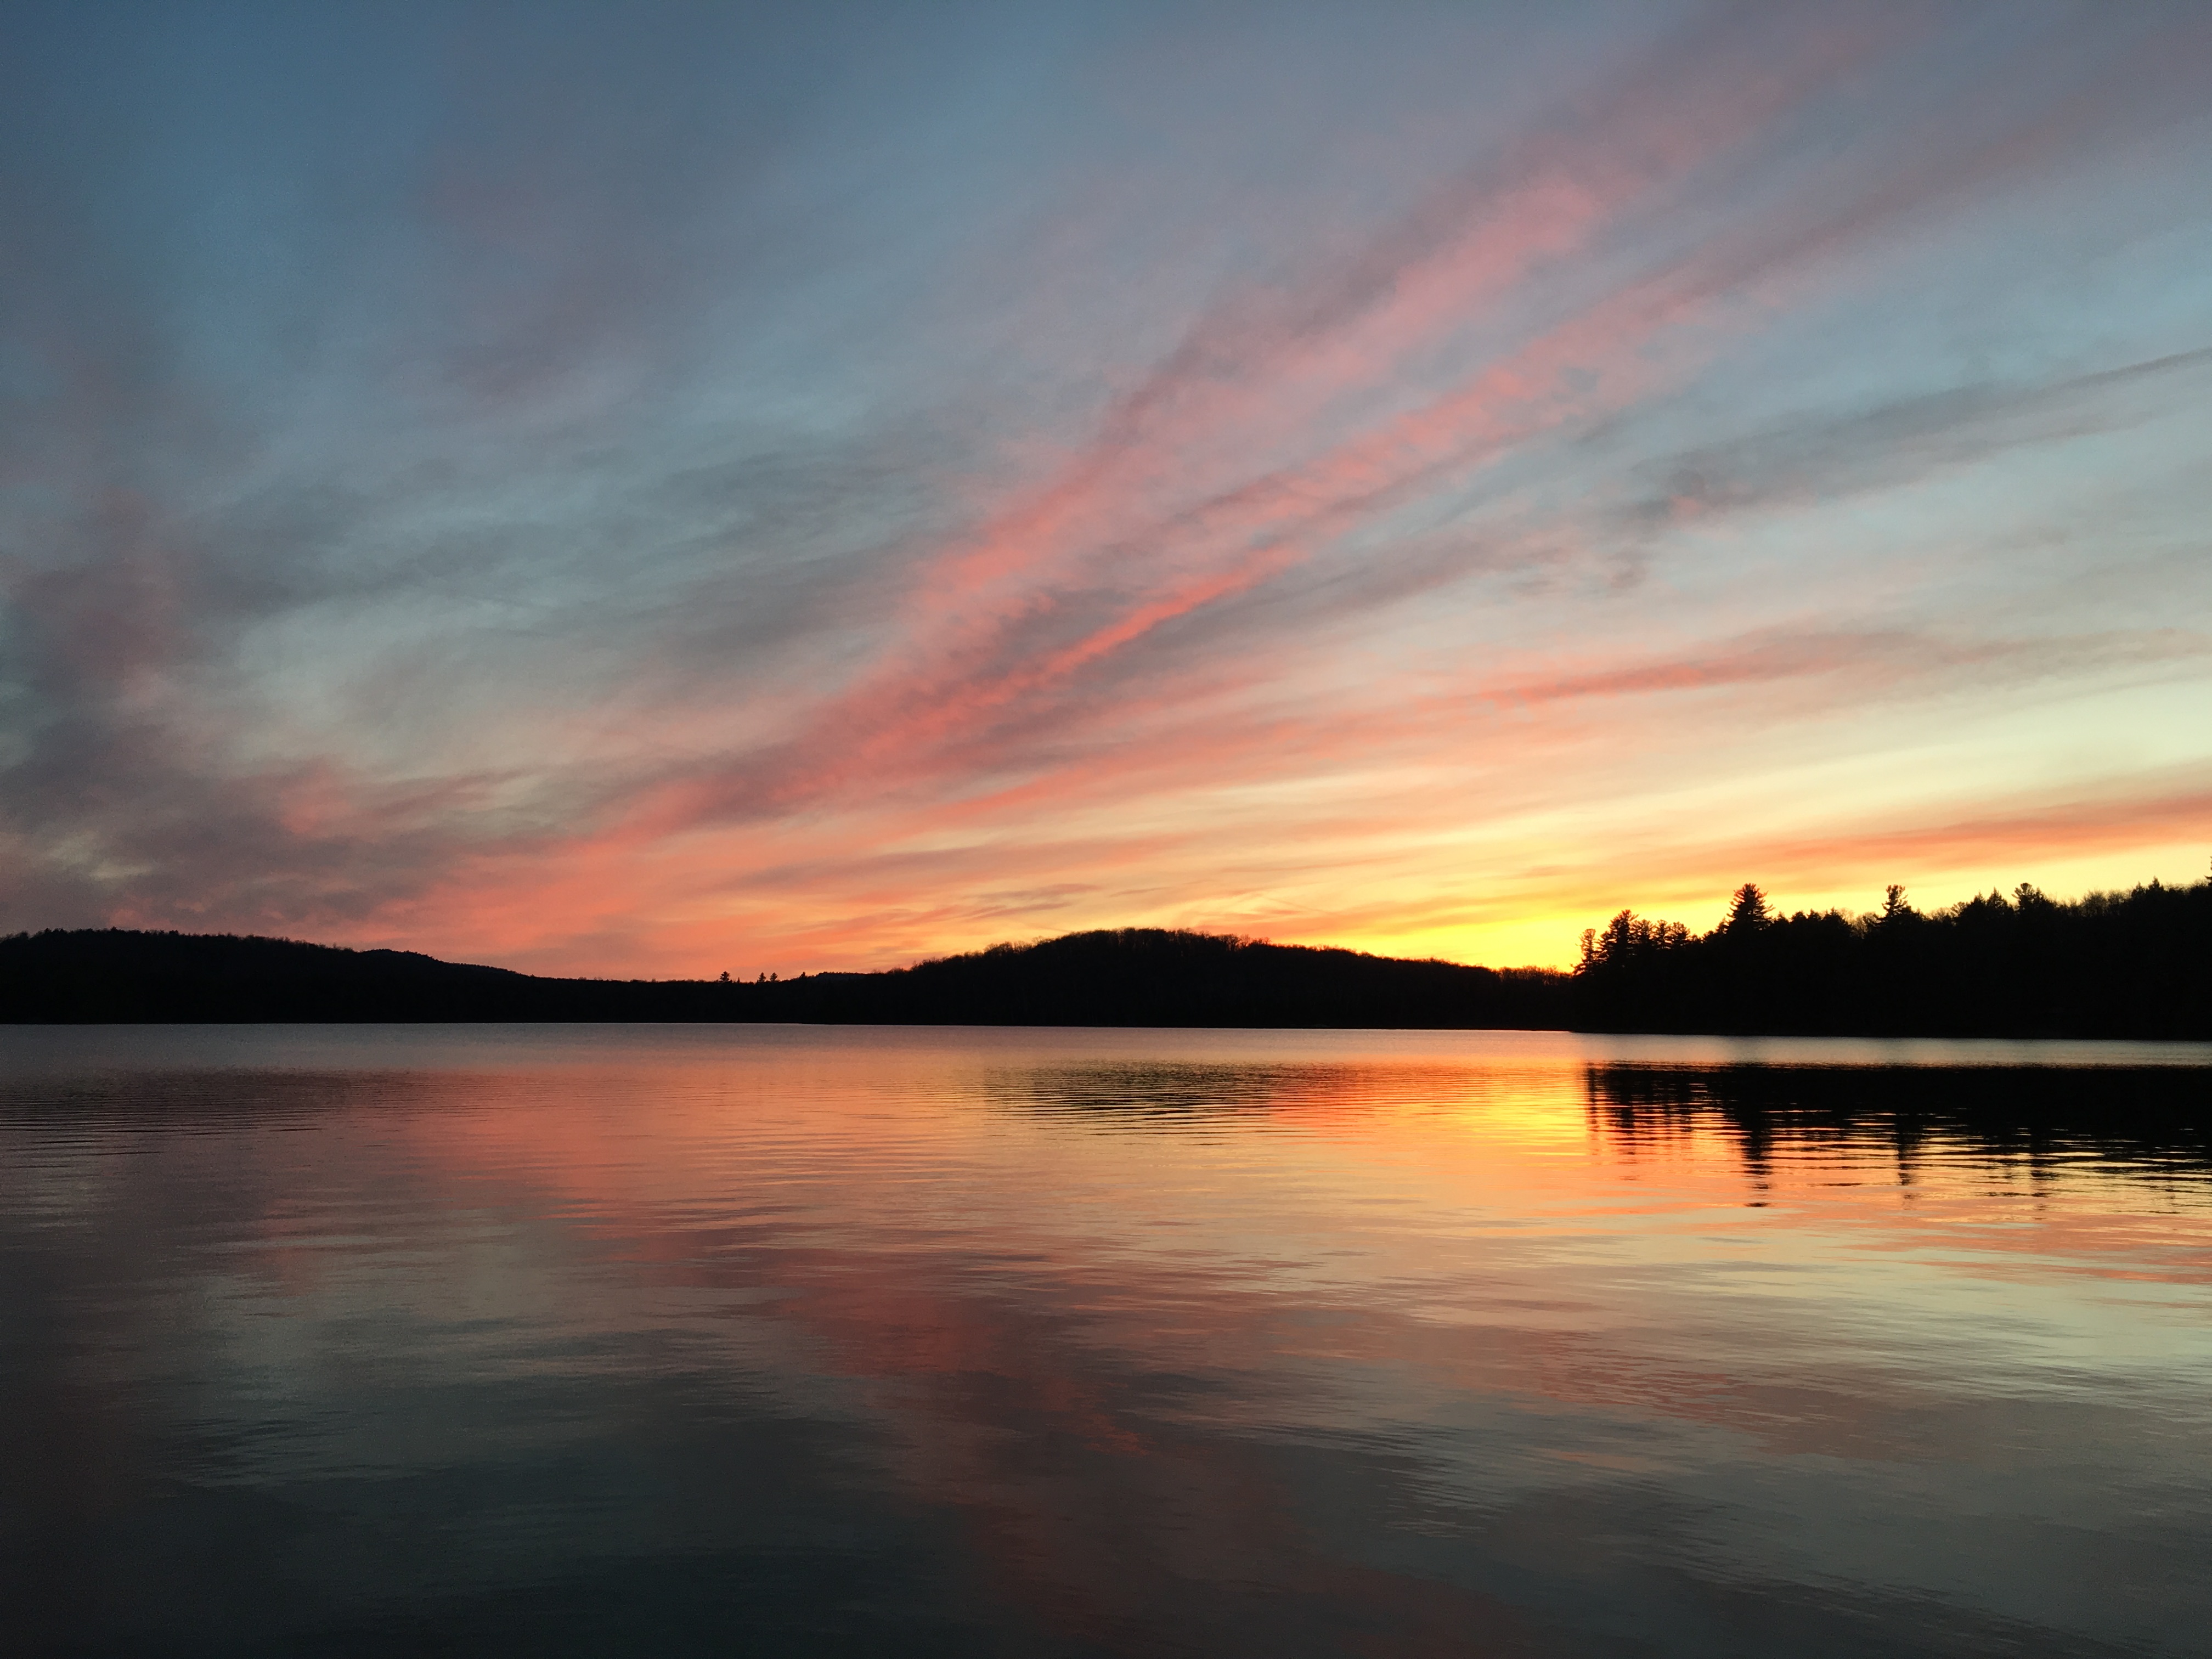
(671, 1341)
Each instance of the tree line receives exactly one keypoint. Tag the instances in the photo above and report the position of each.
(2132, 964)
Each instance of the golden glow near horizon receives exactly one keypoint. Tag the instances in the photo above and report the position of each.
(1419, 489)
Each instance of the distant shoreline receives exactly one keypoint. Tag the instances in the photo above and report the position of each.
(1133, 977)
(2130, 966)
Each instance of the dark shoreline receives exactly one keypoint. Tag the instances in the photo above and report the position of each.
(2135, 966)
(1133, 977)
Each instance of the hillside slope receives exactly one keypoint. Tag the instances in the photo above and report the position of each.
(1133, 976)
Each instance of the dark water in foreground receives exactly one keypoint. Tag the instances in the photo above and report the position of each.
(681, 1340)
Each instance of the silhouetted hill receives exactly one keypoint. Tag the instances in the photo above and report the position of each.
(1133, 976)
(2135, 964)
(112, 975)
(1151, 976)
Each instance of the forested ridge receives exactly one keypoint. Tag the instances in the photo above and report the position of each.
(1128, 976)
(2132, 964)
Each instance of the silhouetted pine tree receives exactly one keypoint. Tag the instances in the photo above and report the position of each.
(2111, 964)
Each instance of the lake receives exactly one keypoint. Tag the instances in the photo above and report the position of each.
(673, 1341)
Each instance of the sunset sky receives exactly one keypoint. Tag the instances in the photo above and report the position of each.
(659, 489)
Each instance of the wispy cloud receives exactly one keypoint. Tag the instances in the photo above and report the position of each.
(624, 522)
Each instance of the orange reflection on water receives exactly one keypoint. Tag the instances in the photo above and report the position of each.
(970, 1233)
(1155, 1323)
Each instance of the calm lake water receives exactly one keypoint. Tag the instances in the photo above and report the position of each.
(673, 1341)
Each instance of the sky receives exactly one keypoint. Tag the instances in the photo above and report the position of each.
(662, 490)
